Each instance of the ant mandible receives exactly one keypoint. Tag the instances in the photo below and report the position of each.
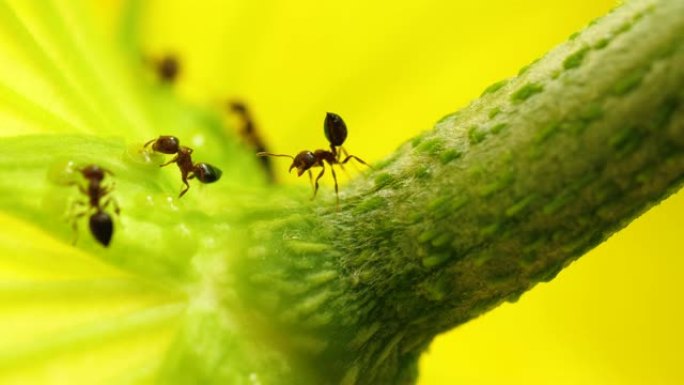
(336, 132)
(170, 145)
(101, 224)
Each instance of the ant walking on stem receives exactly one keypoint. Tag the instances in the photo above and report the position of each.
(204, 172)
(100, 222)
(336, 132)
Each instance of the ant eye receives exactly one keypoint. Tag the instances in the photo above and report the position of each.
(335, 129)
(207, 173)
(102, 227)
(310, 158)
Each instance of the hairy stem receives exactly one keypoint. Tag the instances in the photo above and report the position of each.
(498, 197)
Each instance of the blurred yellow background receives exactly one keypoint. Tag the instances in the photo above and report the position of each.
(391, 69)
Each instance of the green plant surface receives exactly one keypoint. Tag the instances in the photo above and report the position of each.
(256, 284)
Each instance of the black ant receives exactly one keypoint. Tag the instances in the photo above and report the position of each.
(336, 132)
(250, 133)
(204, 172)
(101, 224)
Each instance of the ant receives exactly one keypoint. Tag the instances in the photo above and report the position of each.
(101, 224)
(250, 133)
(336, 132)
(204, 172)
(167, 67)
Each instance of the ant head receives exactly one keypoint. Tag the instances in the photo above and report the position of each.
(102, 227)
(237, 107)
(335, 129)
(303, 161)
(207, 173)
(166, 144)
(93, 172)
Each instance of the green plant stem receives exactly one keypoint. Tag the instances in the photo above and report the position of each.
(479, 210)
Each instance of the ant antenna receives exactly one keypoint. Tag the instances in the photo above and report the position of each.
(278, 155)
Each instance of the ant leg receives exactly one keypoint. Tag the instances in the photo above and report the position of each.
(114, 203)
(337, 193)
(175, 158)
(79, 186)
(344, 151)
(317, 178)
(187, 187)
(147, 144)
(310, 178)
(339, 158)
(76, 210)
(108, 189)
(117, 208)
(73, 209)
(74, 225)
(356, 158)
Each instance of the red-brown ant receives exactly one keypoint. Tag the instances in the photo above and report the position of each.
(204, 172)
(336, 132)
(101, 224)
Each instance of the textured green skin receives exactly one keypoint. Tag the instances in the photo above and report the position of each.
(482, 208)
(498, 197)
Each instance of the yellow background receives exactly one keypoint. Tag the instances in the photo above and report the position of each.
(391, 69)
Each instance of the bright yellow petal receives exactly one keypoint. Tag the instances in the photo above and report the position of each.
(66, 317)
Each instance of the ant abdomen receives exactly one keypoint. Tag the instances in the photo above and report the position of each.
(335, 129)
(207, 173)
(102, 227)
